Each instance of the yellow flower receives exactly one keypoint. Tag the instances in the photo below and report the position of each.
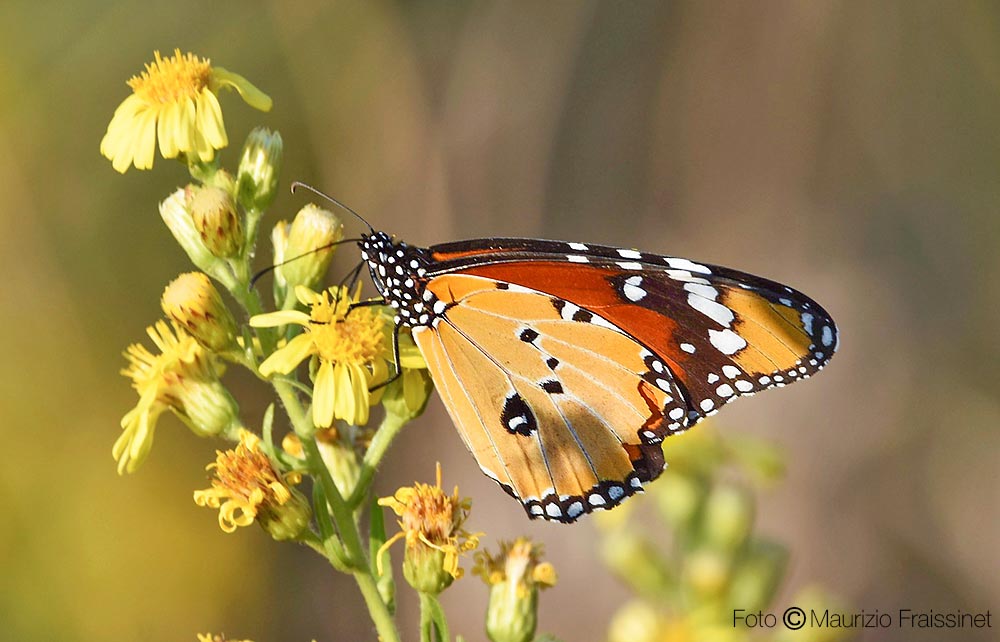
(515, 575)
(247, 487)
(350, 353)
(176, 101)
(432, 525)
(183, 378)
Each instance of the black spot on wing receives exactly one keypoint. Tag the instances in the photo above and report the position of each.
(552, 386)
(517, 417)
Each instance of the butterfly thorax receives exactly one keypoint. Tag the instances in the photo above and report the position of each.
(399, 273)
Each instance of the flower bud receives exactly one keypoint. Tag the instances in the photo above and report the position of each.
(340, 459)
(193, 303)
(214, 214)
(174, 212)
(260, 165)
(297, 248)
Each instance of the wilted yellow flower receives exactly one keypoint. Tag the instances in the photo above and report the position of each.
(350, 352)
(432, 524)
(247, 487)
(515, 575)
(174, 101)
(183, 378)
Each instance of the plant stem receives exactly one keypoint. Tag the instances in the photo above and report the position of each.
(433, 625)
(383, 438)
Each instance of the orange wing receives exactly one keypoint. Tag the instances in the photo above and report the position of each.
(564, 414)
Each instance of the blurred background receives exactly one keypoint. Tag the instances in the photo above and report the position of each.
(851, 150)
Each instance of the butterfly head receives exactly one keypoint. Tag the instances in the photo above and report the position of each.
(399, 273)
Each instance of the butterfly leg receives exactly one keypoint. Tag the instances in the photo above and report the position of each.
(395, 361)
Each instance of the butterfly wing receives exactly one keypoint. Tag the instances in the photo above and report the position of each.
(564, 365)
(722, 333)
(564, 413)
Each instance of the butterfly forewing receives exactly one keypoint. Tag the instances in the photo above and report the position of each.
(555, 409)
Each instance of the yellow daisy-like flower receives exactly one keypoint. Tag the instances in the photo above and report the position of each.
(247, 488)
(350, 352)
(183, 378)
(432, 524)
(175, 100)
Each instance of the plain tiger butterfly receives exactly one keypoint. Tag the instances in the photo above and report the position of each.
(565, 365)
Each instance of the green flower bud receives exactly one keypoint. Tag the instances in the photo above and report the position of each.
(729, 515)
(214, 214)
(425, 568)
(193, 303)
(286, 521)
(302, 250)
(260, 165)
(341, 460)
(206, 407)
(174, 212)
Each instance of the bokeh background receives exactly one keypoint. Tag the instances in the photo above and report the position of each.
(850, 149)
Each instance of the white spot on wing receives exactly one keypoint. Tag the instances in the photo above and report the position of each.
(725, 390)
(726, 341)
(576, 258)
(827, 337)
(629, 254)
(715, 311)
(731, 371)
(687, 347)
(630, 266)
(684, 264)
(807, 323)
(578, 246)
(707, 404)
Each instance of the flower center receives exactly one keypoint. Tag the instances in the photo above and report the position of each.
(339, 337)
(172, 79)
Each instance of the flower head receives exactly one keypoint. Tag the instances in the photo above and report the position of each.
(213, 212)
(193, 303)
(175, 100)
(349, 353)
(515, 575)
(183, 378)
(260, 164)
(246, 487)
(432, 524)
(303, 250)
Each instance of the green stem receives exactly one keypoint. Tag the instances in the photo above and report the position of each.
(343, 519)
(383, 438)
(433, 625)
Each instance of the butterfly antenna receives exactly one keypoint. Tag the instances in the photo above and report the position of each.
(256, 277)
(298, 184)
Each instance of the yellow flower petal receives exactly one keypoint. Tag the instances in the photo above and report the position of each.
(325, 394)
(250, 94)
(286, 359)
(281, 317)
(210, 122)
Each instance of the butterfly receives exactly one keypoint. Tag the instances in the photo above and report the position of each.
(565, 365)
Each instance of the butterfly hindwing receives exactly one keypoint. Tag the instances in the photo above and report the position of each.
(557, 410)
